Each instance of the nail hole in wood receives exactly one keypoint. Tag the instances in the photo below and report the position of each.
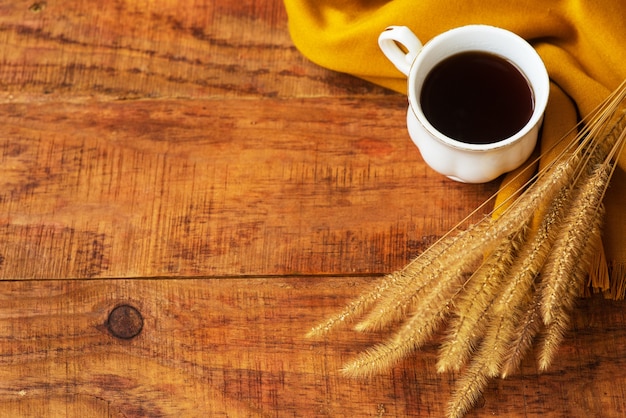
(125, 322)
(37, 7)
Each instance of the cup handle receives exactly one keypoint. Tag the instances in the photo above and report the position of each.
(394, 37)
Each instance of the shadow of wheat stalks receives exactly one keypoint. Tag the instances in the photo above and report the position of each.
(503, 283)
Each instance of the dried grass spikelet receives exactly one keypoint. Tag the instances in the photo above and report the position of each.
(488, 360)
(502, 283)
(533, 253)
(467, 327)
(425, 264)
(569, 259)
(528, 327)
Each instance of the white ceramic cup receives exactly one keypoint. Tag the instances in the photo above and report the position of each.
(462, 161)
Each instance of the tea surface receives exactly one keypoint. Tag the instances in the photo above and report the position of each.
(477, 97)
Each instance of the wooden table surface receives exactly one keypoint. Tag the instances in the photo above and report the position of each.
(183, 196)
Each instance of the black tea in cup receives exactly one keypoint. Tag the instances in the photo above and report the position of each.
(477, 97)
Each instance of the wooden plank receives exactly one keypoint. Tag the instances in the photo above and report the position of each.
(236, 348)
(159, 48)
(223, 188)
(177, 187)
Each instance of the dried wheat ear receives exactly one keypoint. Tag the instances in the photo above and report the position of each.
(505, 282)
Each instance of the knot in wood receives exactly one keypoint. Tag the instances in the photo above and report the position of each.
(125, 322)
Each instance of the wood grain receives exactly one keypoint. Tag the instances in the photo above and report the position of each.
(236, 347)
(184, 159)
(145, 188)
(157, 48)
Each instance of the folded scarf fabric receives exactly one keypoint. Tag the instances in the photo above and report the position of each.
(583, 45)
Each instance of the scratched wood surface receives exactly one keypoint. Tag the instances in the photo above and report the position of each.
(183, 160)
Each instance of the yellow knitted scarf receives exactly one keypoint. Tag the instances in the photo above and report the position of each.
(583, 45)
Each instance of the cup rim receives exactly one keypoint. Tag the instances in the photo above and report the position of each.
(540, 100)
